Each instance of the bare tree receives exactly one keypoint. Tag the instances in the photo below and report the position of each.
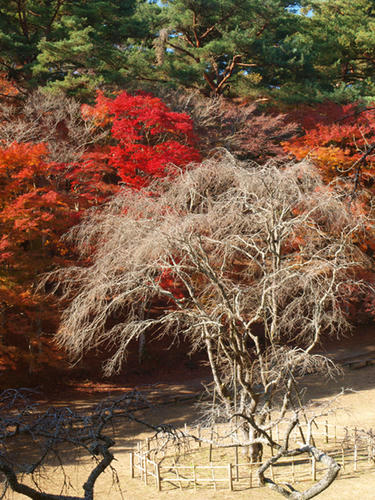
(49, 433)
(55, 120)
(244, 130)
(252, 264)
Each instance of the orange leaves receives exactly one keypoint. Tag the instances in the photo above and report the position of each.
(22, 161)
(34, 213)
(30, 204)
(339, 139)
(7, 88)
(335, 138)
(99, 113)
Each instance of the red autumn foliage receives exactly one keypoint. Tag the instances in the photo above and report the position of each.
(91, 180)
(335, 138)
(40, 199)
(340, 140)
(150, 140)
(33, 213)
(7, 88)
(33, 216)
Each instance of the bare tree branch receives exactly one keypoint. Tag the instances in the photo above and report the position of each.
(252, 264)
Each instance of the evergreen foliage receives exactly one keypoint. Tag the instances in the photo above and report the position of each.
(289, 51)
(72, 45)
(342, 35)
(221, 46)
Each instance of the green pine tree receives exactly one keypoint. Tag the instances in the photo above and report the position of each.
(220, 46)
(342, 36)
(75, 45)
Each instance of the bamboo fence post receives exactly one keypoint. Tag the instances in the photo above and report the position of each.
(213, 475)
(251, 476)
(157, 476)
(212, 431)
(210, 451)
(145, 462)
(326, 431)
(139, 464)
(148, 444)
(371, 447)
(343, 458)
(355, 456)
(230, 478)
(259, 483)
(177, 474)
(199, 436)
(132, 464)
(140, 459)
(236, 463)
(335, 431)
(313, 468)
(195, 477)
(272, 473)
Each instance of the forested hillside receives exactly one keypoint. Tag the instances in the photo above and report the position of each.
(102, 97)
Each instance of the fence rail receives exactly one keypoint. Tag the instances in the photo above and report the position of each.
(351, 451)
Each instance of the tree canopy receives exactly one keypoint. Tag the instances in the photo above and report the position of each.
(195, 169)
(75, 46)
(261, 253)
(342, 34)
(294, 51)
(223, 45)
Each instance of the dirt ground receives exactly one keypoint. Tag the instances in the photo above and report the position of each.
(357, 408)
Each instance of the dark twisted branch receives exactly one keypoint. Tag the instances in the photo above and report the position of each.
(54, 427)
(333, 469)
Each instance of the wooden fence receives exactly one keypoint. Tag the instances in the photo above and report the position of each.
(162, 463)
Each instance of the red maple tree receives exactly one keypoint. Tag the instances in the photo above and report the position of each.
(34, 213)
(148, 139)
(41, 199)
(340, 140)
(336, 137)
